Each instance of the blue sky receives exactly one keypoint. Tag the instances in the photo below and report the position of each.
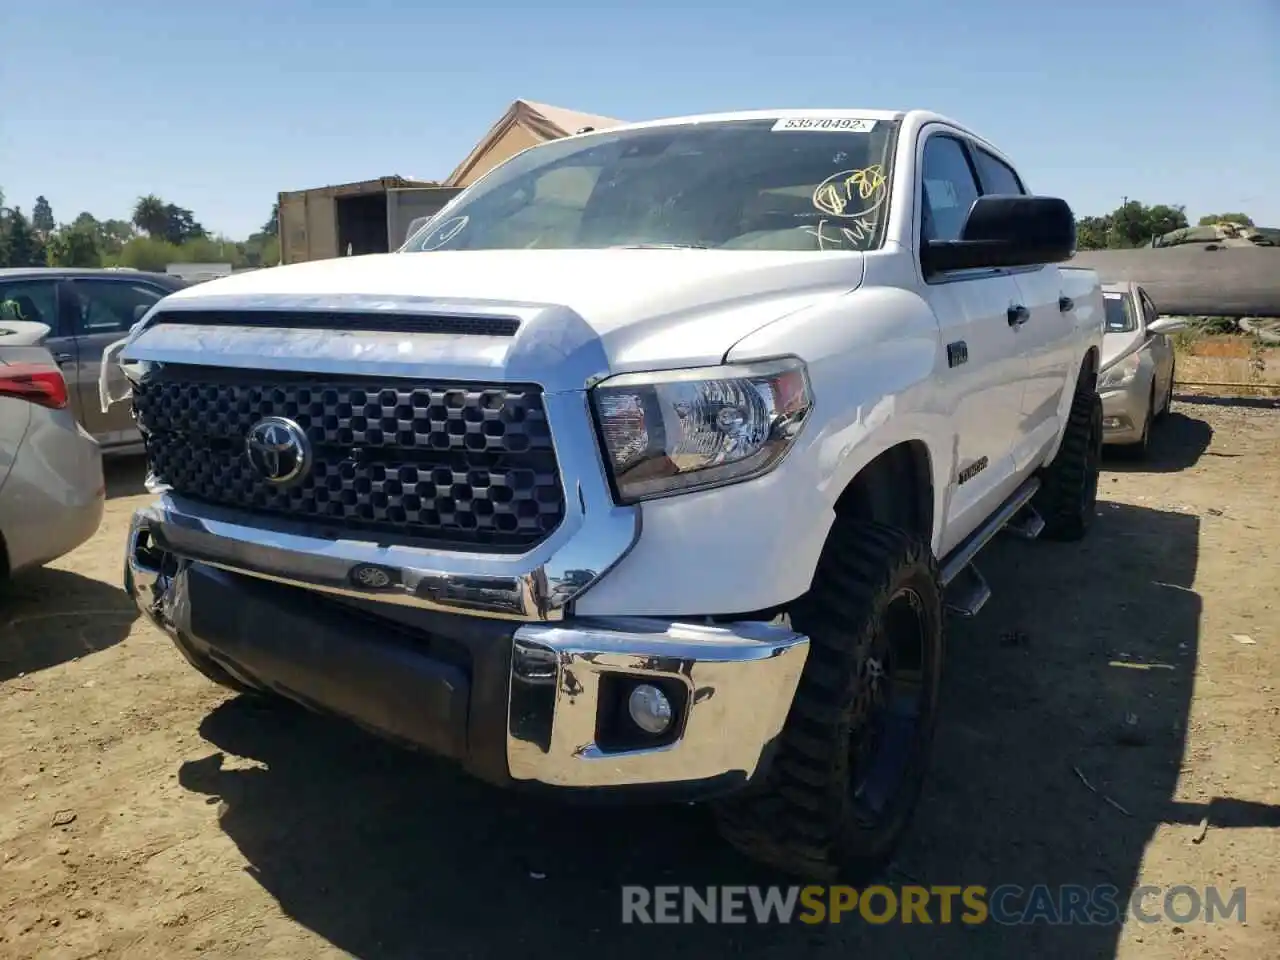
(217, 106)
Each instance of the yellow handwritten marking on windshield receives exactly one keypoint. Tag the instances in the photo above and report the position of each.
(852, 233)
(851, 193)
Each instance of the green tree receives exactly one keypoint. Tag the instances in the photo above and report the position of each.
(22, 242)
(180, 225)
(1135, 224)
(151, 216)
(4, 234)
(1132, 224)
(1243, 219)
(272, 227)
(114, 234)
(1091, 233)
(42, 221)
(74, 246)
(147, 253)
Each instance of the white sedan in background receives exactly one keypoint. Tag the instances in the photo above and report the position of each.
(1136, 379)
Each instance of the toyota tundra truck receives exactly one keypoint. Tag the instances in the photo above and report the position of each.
(651, 465)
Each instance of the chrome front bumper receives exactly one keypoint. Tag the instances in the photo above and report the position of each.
(537, 697)
(735, 681)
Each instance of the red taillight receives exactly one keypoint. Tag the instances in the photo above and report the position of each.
(34, 382)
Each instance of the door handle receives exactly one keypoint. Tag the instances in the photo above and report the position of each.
(1018, 315)
(1066, 304)
(63, 358)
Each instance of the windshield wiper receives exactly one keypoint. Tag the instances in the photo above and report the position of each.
(659, 246)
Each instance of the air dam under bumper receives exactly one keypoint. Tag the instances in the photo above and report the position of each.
(532, 703)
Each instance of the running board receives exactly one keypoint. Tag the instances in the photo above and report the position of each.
(963, 555)
(1027, 525)
(967, 593)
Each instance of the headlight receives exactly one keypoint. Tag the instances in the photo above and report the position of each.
(687, 430)
(1122, 374)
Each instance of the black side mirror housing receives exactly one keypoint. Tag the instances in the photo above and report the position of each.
(1007, 231)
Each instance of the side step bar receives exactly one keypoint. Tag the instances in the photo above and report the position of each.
(967, 591)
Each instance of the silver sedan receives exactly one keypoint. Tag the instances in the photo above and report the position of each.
(1137, 369)
(51, 486)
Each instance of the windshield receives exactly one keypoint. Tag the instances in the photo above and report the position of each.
(739, 185)
(1121, 317)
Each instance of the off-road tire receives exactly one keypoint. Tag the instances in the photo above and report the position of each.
(802, 818)
(1068, 494)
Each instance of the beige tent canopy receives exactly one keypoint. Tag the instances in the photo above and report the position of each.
(525, 124)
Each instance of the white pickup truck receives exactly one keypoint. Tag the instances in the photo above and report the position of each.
(652, 463)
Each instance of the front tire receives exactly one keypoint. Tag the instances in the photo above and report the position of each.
(1141, 450)
(1167, 406)
(1068, 496)
(853, 755)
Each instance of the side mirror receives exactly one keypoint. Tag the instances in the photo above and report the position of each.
(1168, 324)
(1007, 231)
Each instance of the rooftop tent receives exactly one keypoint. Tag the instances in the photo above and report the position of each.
(525, 124)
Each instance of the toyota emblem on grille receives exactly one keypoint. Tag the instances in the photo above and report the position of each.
(278, 450)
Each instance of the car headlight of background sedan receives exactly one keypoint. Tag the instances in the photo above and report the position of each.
(683, 430)
(1121, 374)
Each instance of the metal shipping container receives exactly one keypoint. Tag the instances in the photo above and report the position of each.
(371, 216)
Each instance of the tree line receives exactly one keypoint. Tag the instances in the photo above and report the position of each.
(160, 233)
(157, 234)
(1135, 224)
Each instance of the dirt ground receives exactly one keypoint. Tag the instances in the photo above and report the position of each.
(1112, 716)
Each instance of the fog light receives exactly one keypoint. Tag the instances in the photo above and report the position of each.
(1111, 422)
(649, 708)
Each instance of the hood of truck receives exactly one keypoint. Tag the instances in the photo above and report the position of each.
(597, 311)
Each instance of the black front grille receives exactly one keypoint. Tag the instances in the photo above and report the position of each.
(456, 464)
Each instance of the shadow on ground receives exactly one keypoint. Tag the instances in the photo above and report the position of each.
(1258, 403)
(1177, 442)
(1080, 668)
(50, 616)
(125, 476)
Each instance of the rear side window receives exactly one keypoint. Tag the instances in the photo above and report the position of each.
(997, 176)
(949, 189)
(32, 300)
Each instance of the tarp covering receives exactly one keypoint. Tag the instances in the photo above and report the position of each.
(525, 124)
(1197, 280)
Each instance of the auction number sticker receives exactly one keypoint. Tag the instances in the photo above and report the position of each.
(828, 124)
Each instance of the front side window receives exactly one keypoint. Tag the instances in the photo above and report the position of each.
(731, 185)
(1121, 317)
(1149, 314)
(949, 190)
